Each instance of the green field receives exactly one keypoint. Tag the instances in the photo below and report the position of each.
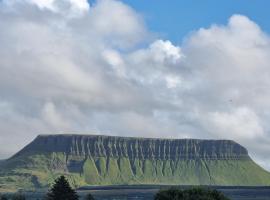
(35, 171)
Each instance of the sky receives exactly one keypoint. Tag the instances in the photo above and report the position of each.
(177, 19)
(186, 69)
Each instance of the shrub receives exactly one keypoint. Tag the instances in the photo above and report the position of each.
(18, 196)
(190, 194)
(3, 197)
(89, 197)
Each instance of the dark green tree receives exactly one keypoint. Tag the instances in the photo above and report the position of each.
(171, 194)
(3, 197)
(61, 190)
(190, 194)
(18, 196)
(89, 197)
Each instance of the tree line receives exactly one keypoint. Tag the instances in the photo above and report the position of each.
(61, 190)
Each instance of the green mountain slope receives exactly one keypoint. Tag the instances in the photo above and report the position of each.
(106, 160)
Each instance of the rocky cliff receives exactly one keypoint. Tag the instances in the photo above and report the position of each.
(140, 148)
(105, 160)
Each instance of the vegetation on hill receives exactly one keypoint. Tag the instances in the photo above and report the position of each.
(104, 160)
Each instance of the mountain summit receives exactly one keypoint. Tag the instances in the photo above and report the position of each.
(109, 160)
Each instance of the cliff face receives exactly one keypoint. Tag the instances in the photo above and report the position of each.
(106, 160)
(142, 148)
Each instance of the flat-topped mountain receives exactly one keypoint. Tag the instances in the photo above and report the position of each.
(107, 160)
(140, 148)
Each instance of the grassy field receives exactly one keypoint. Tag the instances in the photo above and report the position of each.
(37, 171)
(107, 160)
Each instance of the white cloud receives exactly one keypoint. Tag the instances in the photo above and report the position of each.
(69, 67)
(42, 4)
(115, 60)
(172, 81)
(53, 118)
(229, 71)
(241, 123)
(160, 52)
(163, 51)
(70, 8)
(117, 23)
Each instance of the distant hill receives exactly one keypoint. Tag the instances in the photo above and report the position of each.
(109, 160)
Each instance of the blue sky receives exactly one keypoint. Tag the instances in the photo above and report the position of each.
(176, 19)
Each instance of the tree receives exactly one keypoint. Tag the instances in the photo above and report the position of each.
(190, 194)
(171, 194)
(61, 190)
(18, 196)
(89, 197)
(3, 197)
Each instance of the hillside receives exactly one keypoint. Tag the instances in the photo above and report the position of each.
(109, 160)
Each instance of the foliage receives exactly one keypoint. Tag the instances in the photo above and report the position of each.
(190, 194)
(61, 190)
(89, 197)
(3, 197)
(18, 196)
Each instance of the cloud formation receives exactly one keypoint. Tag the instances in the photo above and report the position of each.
(69, 8)
(68, 67)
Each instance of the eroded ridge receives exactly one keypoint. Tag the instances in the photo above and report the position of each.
(141, 148)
